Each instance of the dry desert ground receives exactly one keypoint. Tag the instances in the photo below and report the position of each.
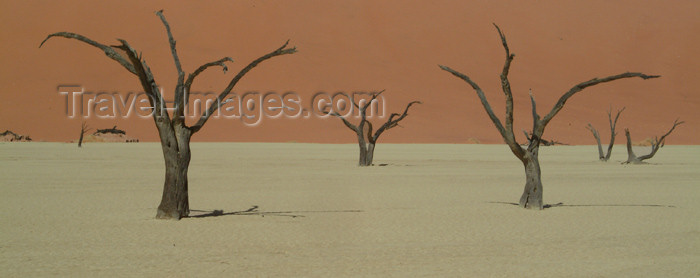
(431, 211)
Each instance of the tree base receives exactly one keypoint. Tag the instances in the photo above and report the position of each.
(532, 205)
(173, 215)
(531, 200)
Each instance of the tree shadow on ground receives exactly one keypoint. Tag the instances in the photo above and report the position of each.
(254, 211)
(600, 205)
(392, 164)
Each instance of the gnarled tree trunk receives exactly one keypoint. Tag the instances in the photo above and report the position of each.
(366, 154)
(656, 144)
(174, 134)
(532, 194)
(631, 157)
(174, 203)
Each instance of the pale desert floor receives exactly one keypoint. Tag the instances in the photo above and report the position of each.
(433, 211)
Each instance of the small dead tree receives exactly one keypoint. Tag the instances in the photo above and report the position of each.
(174, 134)
(365, 138)
(601, 155)
(532, 195)
(14, 137)
(83, 130)
(113, 130)
(656, 144)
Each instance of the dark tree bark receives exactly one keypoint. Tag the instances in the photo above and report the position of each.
(532, 194)
(113, 130)
(606, 156)
(365, 138)
(656, 144)
(174, 134)
(83, 129)
(16, 137)
(543, 142)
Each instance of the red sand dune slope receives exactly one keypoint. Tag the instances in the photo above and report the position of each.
(348, 46)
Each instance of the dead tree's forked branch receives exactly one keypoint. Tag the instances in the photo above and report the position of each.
(393, 121)
(174, 134)
(109, 51)
(282, 50)
(532, 196)
(656, 144)
(543, 141)
(363, 116)
(613, 123)
(83, 129)
(135, 64)
(366, 139)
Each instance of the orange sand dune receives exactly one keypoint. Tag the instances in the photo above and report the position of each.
(348, 46)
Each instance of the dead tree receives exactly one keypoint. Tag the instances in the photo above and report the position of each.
(174, 134)
(656, 144)
(15, 137)
(83, 130)
(601, 155)
(532, 195)
(113, 130)
(365, 138)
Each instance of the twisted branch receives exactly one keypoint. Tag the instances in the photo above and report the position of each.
(221, 62)
(595, 81)
(110, 52)
(656, 144)
(606, 156)
(210, 111)
(391, 122)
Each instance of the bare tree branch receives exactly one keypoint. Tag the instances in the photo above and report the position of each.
(505, 86)
(606, 156)
(595, 81)
(390, 123)
(631, 157)
(482, 97)
(364, 108)
(191, 76)
(178, 114)
(345, 121)
(221, 62)
(110, 52)
(507, 131)
(613, 133)
(210, 111)
(173, 50)
(514, 147)
(147, 82)
(365, 133)
(601, 155)
(527, 137)
(366, 136)
(535, 121)
(363, 116)
(368, 132)
(83, 129)
(656, 144)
